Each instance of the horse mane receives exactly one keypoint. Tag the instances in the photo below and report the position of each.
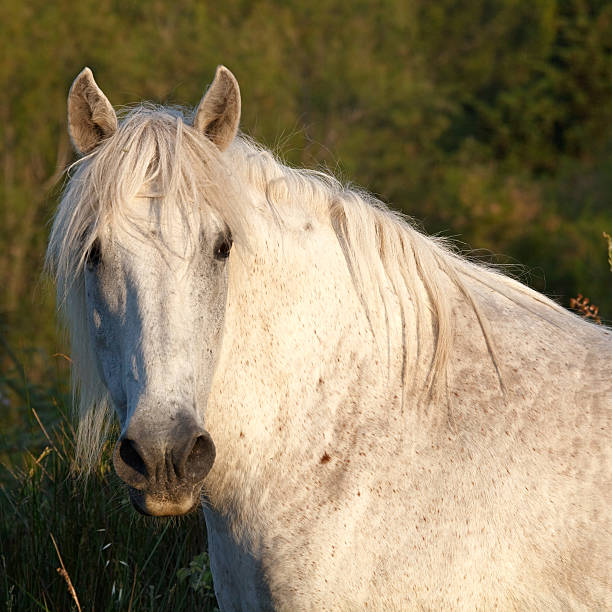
(383, 249)
(155, 150)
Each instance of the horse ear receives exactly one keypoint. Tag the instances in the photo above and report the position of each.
(218, 113)
(91, 118)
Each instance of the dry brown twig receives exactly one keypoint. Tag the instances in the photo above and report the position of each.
(133, 587)
(64, 574)
(609, 239)
(45, 432)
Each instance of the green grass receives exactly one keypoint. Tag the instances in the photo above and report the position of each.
(114, 558)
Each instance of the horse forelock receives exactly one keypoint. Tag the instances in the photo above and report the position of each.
(156, 152)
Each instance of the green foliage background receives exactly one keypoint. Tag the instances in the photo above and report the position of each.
(489, 121)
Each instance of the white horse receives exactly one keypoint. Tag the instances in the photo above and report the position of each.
(374, 421)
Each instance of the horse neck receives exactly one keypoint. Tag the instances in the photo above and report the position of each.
(300, 366)
(304, 381)
(530, 370)
(304, 366)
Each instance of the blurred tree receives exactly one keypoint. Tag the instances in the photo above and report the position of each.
(491, 120)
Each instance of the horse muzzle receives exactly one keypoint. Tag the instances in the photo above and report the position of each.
(164, 473)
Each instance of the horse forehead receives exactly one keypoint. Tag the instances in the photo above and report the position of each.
(153, 212)
(147, 231)
(154, 215)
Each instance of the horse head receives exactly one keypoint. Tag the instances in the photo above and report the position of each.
(154, 276)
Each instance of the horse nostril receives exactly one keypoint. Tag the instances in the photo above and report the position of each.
(130, 457)
(148, 463)
(201, 458)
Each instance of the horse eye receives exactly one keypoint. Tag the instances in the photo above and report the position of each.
(94, 255)
(223, 248)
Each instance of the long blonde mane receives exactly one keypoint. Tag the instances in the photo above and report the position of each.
(154, 148)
